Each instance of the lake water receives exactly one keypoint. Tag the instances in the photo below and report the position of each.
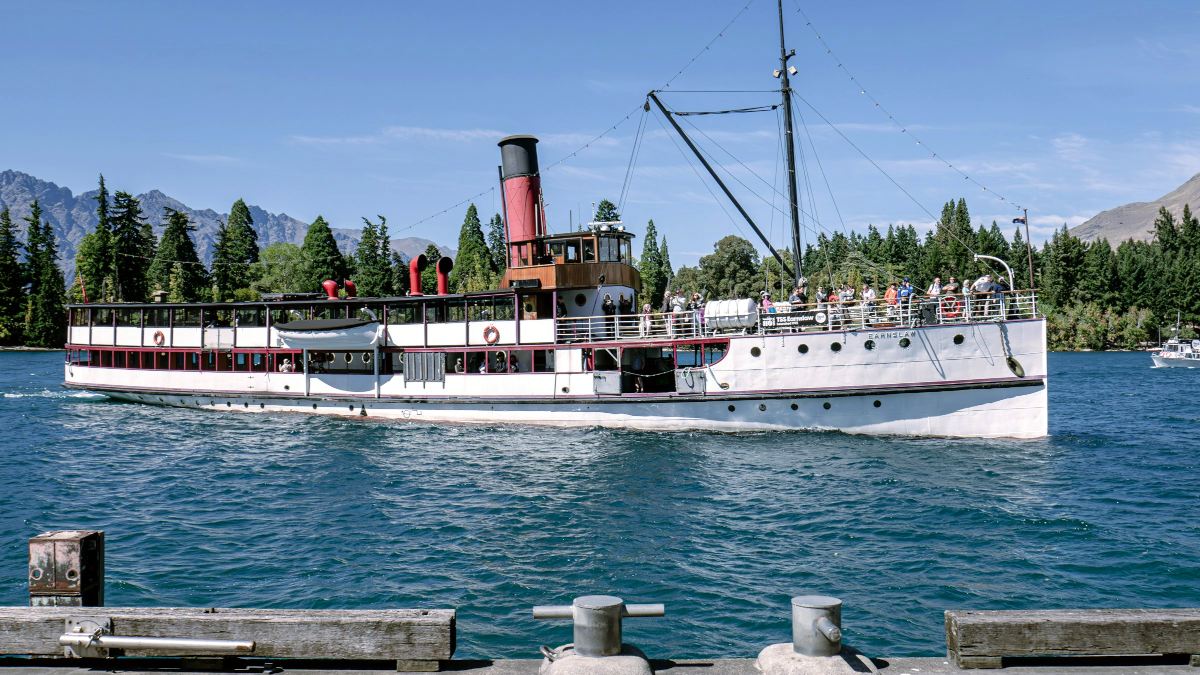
(273, 510)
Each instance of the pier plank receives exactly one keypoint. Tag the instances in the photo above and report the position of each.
(980, 639)
(394, 634)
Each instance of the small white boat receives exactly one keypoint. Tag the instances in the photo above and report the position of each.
(1176, 353)
(327, 334)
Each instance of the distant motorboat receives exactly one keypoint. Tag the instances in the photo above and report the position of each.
(1176, 353)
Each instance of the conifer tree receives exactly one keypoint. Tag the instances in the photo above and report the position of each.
(176, 268)
(606, 212)
(650, 265)
(45, 318)
(496, 244)
(373, 269)
(236, 249)
(95, 258)
(12, 281)
(473, 268)
(400, 280)
(429, 276)
(322, 258)
(668, 272)
(132, 253)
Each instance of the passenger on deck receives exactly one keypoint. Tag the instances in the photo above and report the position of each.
(891, 297)
(766, 305)
(286, 366)
(935, 289)
(458, 365)
(560, 310)
(646, 324)
(951, 286)
(609, 309)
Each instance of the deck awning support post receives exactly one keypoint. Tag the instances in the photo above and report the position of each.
(375, 362)
(304, 358)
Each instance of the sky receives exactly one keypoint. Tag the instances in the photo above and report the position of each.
(394, 108)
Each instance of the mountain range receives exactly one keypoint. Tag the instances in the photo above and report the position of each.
(72, 216)
(1136, 220)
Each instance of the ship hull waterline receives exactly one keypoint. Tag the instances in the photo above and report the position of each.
(998, 410)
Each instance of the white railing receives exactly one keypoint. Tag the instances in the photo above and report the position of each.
(959, 308)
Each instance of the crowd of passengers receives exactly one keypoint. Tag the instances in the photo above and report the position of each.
(681, 313)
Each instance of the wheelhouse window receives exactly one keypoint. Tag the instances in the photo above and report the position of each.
(80, 317)
(102, 316)
(288, 314)
(405, 313)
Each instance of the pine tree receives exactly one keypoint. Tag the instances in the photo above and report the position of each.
(473, 269)
(495, 242)
(12, 281)
(373, 274)
(400, 280)
(236, 249)
(45, 318)
(95, 258)
(176, 268)
(429, 276)
(606, 212)
(1166, 232)
(132, 254)
(668, 272)
(650, 265)
(322, 258)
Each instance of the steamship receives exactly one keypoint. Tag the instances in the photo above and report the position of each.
(541, 349)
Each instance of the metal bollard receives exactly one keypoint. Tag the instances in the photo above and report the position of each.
(597, 621)
(66, 569)
(816, 625)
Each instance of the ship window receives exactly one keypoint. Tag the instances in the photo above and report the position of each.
(589, 250)
(480, 309)
(714, 352)
(435, 311)
(79, 317)
(129, 317)
(869, 344)
(218, 318)
(158, 316)
(193, 361)
(102, 316)
(504, 309)
(573, 251)
(626, 251)
(251, 317)
(258, 363)
(580, 299)
(402, 314)
(187, 317)
(161, 360)
(688, 356)
(329, 311)
(905, 342)
(455, 311)
(176, 360)
(119, 360)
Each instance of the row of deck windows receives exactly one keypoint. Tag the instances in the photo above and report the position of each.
(433, 311)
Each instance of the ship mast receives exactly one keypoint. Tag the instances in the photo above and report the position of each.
(785, 90)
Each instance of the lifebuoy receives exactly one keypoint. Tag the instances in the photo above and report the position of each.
(950, 307)
(491, 334)
(159, 338)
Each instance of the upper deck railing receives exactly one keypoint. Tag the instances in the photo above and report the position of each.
(953, 308)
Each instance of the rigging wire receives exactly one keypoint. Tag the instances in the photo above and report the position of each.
(692, 166)
(903, 129)
(753, 109)
(634, 152)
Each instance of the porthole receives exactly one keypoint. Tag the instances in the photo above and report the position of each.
(580, 299)
(349, 358)
(366, 357)
(827, 405)
(287, 387)
(877, 403)
(958, 339)
(351, 407)
(228, 404)
(803, 349)
(755, 351)
(529, 308)
(795, 407)
(314, 406)
(732, 407)
(762, 407)
(245, 404)
(869, 344)
(837, 346)
(262, 406)
(566, 390)
(905, 342)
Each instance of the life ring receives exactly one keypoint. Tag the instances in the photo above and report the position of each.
(491, 334)
(950, 307)
(159, 338)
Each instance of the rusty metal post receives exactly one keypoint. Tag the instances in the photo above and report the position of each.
(66, 569)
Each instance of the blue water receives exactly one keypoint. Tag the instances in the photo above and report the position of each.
(265, 510)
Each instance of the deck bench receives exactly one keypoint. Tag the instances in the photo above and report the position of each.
(981, 639)
(416, 639)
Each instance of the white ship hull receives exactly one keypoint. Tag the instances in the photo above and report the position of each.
(982, 380)
(1174, 362)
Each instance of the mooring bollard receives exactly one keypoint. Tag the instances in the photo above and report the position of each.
(597, 632)
(816, 645)
(66, 569)
(816, 625)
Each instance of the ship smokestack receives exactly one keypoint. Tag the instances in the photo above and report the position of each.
(443, 267)
(415, 266)
(522, 184)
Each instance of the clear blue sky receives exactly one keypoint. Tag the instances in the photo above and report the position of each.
(394, 107)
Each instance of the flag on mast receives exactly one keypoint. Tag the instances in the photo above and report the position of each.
(1019, 219)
